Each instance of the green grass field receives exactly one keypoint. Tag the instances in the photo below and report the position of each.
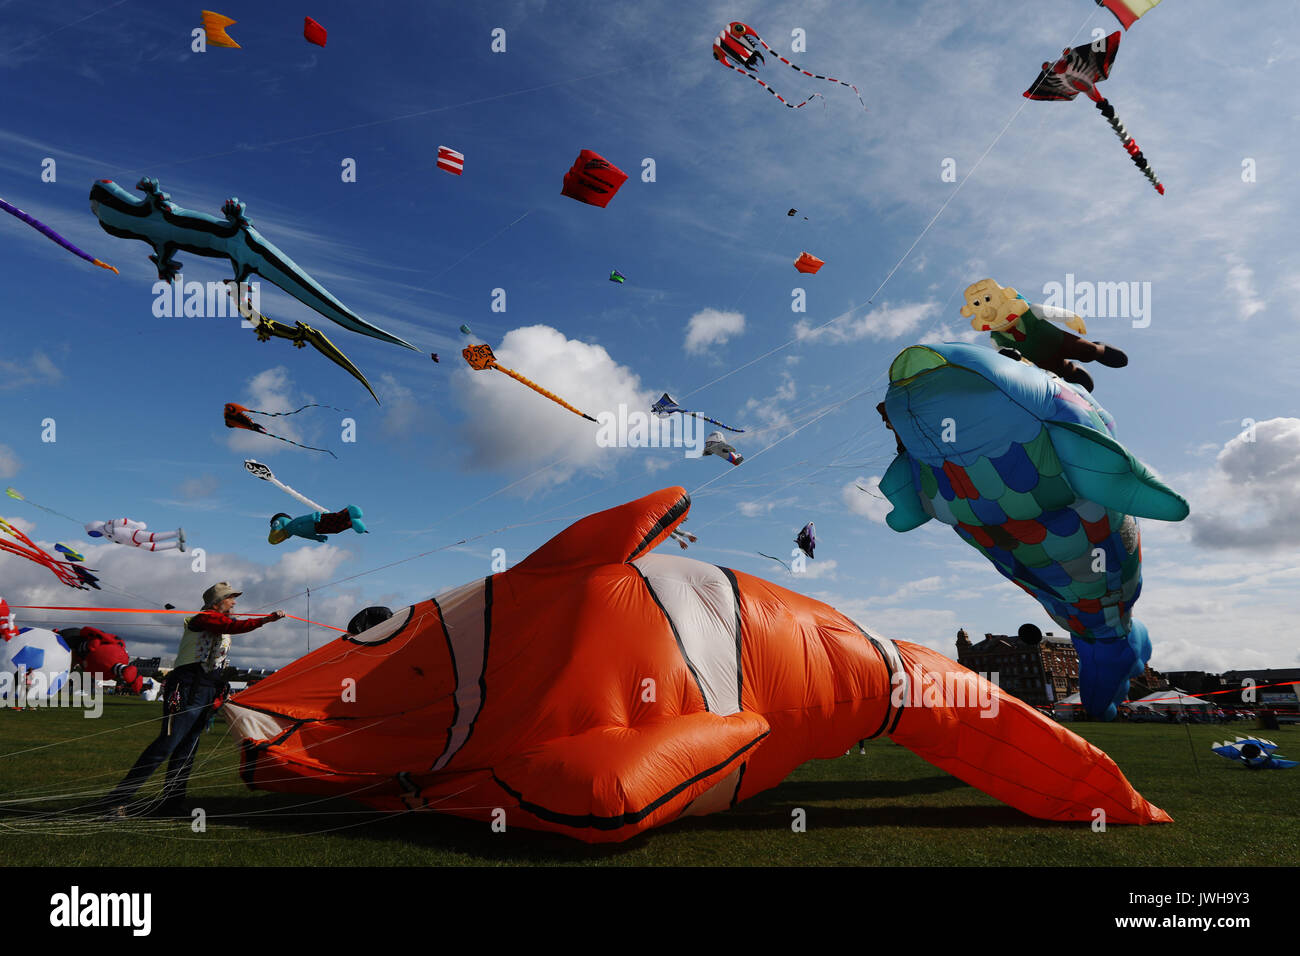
(886, 808)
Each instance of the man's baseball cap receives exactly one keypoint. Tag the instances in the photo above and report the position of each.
(219, 592)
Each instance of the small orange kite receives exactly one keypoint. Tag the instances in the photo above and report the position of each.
(214, 25)
(808, 263)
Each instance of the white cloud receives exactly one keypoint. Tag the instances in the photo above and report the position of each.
(31, 372)
(906, 592)
(1241, 282)
(712, 327)
(1249, 499)
(204, 486)
(824, 568)
(947, 333)
(9, 463)
(754, 509)
(870, 504)
(772, 410)
(882, 324)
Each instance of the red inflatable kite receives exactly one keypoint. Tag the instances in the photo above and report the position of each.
(102, 654)
(313, 32)
(593, 179)
(8, 629)
(808, 263)
(599, 689)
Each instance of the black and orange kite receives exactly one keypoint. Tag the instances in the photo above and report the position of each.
(237, 417)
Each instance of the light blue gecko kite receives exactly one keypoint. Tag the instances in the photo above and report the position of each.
(155, 219)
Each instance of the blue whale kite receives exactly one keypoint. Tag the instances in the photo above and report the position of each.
(1025, 467)
(155, 219)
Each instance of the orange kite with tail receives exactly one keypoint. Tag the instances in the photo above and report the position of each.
(598, 689)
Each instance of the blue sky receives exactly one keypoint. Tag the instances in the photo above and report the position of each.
(1042, 191)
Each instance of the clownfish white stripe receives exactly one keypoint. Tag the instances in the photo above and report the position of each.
(464, 624)
(700, 602)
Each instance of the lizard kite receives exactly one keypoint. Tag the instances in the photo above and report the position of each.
(167, 227)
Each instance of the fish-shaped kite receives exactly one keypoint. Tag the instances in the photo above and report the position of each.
(666, 406)
(807, 539)
(167, 227)
(715, 444)
(523, 693)
(1026, 469)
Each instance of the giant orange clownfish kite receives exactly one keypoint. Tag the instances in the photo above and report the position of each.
(599, 689)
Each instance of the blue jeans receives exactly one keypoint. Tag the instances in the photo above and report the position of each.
(187, 697)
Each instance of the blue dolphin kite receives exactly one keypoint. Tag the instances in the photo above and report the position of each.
(1026, 469)
(167, 227)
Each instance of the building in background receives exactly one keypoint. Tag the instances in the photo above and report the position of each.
(1039, 674)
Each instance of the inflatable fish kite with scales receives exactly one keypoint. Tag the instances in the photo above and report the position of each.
(599, 689)
(1025, 468)
(167, 227)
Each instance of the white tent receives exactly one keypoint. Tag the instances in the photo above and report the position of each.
(1067, 708)
(1172, 699)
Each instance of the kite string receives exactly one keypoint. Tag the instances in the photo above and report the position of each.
(17, 495)
(146, 610)
(445, 547)
(833, 408)
(64, 27)
(638, 65)
(481, 245)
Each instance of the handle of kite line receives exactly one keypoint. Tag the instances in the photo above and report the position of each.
(150, 610)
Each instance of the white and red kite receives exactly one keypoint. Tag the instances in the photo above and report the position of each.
(450, 160)
(1127, 11)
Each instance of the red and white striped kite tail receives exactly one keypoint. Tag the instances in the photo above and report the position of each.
(793, 106)
(815, 76)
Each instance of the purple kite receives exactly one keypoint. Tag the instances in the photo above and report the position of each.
(52, 235)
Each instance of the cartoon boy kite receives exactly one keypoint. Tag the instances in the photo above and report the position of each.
(1015, 324)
